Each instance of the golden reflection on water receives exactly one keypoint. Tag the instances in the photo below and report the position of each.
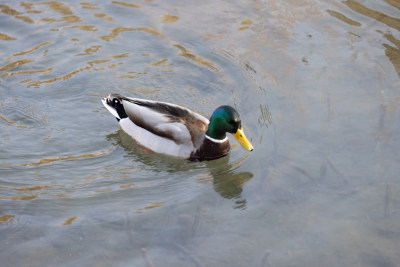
(128, 185)
(58, 7)
(161, 63)
(62, 78)
(5, 37)
(69, 221)
(125, 77)
(15, 64)
(89, 6)
(124, 55)
(125, 4)
(90, 50)
(33, 188)
(55, 159)
(170, 18)
(343, 18)
(198, 60)
(7, 219)
(116, 31)
(11, 69)
(393, 53)
(46, 71)
(30, 50)
(6, 121)
(245, 25)
(9, 11)
(83, 28)
(97, 62)
(66, 19)
(29, 8)
(103, 16)
(377, 15)
(142, 90)
(26, 198)
(151, 206)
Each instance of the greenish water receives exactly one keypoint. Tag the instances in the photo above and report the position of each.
(316, 83)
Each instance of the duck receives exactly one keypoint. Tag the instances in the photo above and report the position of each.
(175, 130)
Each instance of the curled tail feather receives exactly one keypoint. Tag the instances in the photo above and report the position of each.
(114, 105)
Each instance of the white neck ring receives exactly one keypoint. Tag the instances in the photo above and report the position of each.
(216, 140)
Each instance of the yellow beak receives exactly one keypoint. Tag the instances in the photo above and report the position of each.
(239, 135)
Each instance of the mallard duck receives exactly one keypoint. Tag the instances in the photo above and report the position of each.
(177, 131)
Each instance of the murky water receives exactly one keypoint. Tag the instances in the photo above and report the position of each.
(316, 83)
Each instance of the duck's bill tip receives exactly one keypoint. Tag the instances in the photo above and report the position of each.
(241, 138)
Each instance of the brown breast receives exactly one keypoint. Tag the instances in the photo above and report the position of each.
(210, 150)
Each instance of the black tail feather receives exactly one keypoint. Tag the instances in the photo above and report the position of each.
(118, 106)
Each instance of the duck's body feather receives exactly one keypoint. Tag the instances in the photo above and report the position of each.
(162, 127)
(168, 128)
(155, 142)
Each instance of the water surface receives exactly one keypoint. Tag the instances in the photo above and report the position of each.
(316, 83)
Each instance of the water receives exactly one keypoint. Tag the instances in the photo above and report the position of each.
(316, 83)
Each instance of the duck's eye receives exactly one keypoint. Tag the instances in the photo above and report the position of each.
(230, 121)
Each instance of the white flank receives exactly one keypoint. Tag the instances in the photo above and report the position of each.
(154, 142)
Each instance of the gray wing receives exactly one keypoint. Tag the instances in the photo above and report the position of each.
(165, 120)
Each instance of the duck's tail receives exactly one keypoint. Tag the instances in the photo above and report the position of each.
(113, 103)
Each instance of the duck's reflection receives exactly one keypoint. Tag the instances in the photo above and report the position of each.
(227, 181)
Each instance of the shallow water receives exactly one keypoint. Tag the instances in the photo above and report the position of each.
(316, 83)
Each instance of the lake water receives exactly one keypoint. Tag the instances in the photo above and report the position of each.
(317, 84)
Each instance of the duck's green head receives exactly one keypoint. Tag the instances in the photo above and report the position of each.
(226, 119)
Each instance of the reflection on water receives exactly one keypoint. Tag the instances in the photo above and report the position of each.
(316, 84)
(227, 182)
(392, 52)
(117, 31)
(51, 160)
